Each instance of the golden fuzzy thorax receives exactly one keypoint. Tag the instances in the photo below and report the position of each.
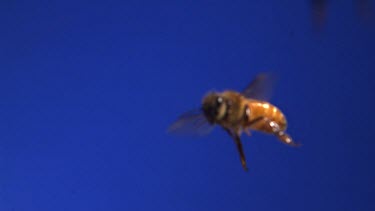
(227, 113)
(235, 110)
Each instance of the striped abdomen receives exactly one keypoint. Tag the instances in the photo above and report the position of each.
(262, 113)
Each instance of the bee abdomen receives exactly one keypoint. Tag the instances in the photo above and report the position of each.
(263, 113)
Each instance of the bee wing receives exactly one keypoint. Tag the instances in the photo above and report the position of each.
(261, 87)
(191, 123)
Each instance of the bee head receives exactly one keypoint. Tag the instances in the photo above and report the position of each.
(214, 107)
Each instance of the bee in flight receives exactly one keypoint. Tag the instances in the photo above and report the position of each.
(237, 112)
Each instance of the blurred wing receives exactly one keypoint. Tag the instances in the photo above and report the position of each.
(191, 123)
(261, 87)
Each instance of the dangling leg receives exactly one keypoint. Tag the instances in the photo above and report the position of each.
(237, 140)
(286, 139)
(275, 128)
(247, 129)
(281, 135)
(256, 121)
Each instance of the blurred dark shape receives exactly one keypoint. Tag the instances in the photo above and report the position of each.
(319, 11)
(364, 9)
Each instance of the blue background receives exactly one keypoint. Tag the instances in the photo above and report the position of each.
(88, 89)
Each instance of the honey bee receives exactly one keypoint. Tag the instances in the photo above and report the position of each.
(238, 112)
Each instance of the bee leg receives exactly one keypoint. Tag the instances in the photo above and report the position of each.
(237, 140)
(247, 131)
(256, 121)
(281, 135)
(286, 139)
